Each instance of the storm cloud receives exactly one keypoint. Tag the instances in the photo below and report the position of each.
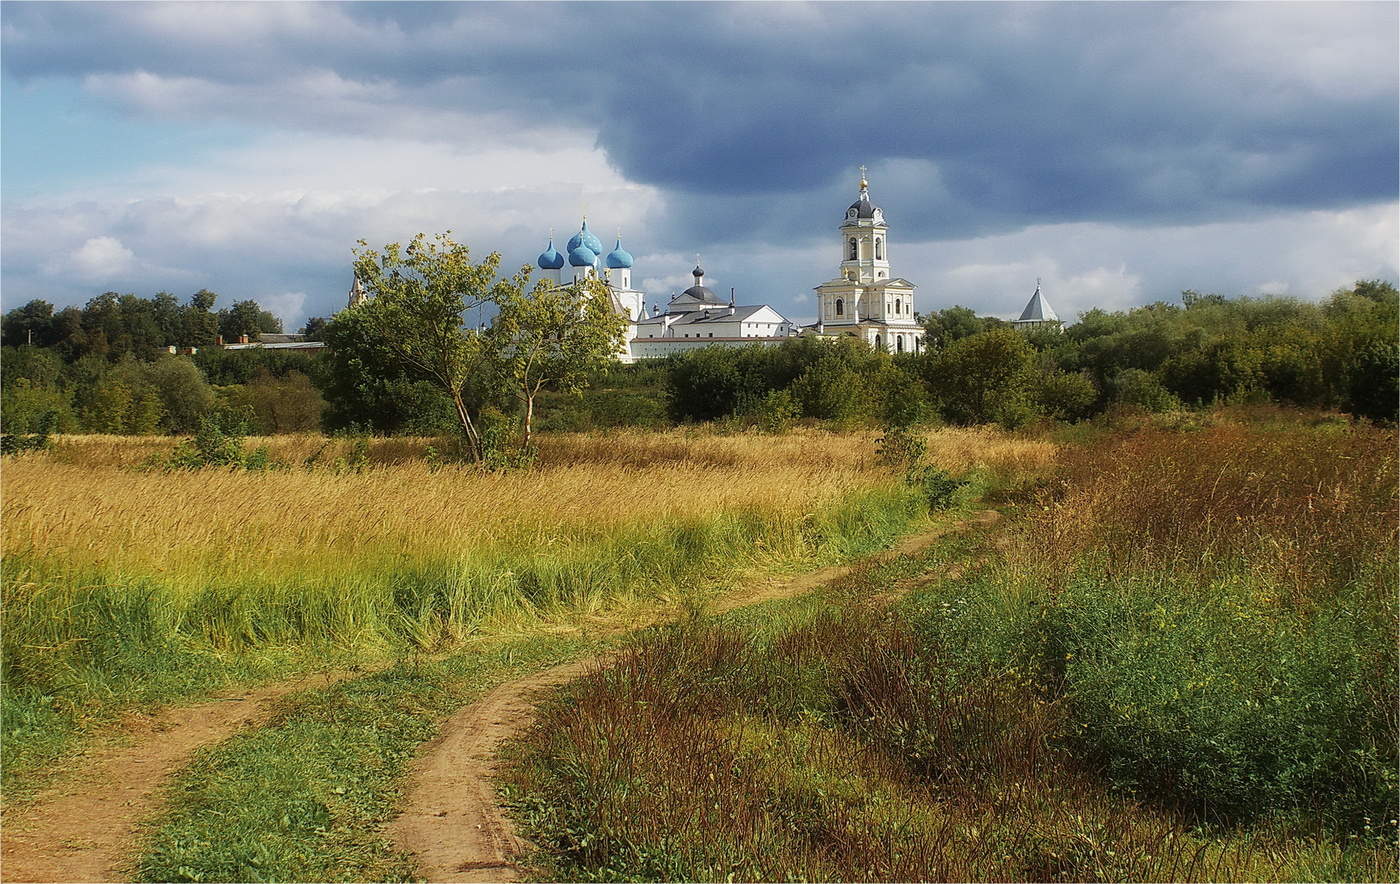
(728, 129)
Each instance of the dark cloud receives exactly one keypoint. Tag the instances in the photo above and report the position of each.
(1028, 113)
(1088, 135)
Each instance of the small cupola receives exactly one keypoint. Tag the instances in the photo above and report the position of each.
(619, 258)
(550, 258)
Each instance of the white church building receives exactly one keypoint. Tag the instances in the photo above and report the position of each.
(865, 299)
(697, 317)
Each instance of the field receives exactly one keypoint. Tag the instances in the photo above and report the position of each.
(126, 586)
(1172, 658)
(1179, 664)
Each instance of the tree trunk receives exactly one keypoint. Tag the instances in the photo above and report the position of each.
(468, 428)
(529, 419)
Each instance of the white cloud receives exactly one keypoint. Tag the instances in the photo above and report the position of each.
(290, 307)
(101, 258)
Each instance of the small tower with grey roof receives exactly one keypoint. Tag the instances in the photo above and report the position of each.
(1038, 313)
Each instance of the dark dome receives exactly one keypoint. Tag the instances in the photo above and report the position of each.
(700, 293)
(863, 207)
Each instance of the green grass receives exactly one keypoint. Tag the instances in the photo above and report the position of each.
(1151, 678)
(80, 647)
(305, 797)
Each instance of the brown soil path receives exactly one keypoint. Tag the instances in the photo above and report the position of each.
(81, 827)
(453, 823)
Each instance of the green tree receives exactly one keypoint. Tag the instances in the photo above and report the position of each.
(704, 384)
(944, 327)
(184, 394)
(1063, 395)
(169, 317)
(1371, 382)
(315, 328)
(201, 323)
(1142, 389)
(32, 323)
(418, 296)
(552, 337)
(983, 378)
(247, 318)
(289, 404)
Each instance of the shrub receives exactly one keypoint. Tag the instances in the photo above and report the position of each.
(219, 442)
(936, 485)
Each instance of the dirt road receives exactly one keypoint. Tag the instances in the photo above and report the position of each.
(83, 826)
(452, 821)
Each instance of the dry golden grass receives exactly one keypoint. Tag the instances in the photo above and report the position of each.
(86, 503)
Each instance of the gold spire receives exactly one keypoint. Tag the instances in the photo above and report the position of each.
(863, 183)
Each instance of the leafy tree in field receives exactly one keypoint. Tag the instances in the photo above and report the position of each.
(418, 297)
(365, 385)
(983, 378)
(184, 394)
(553, 336)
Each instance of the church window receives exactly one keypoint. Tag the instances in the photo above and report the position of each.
(879, 249)
(840, 307)
(855, 253)
(897, 308)
(899, 343)
(877, 342)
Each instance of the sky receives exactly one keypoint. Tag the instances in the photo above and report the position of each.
(1120, 153)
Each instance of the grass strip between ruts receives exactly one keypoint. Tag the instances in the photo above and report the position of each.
(306, 796)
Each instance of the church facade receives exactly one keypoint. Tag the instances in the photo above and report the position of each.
(865, 299)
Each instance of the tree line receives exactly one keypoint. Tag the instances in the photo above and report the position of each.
(103, 367)
(1340, 353)
(406, 362)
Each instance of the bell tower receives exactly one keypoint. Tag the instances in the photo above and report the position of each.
(865, 300)
(864, 239)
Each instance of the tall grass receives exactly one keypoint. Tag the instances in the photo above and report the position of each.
(1180, 664)
(124, 585)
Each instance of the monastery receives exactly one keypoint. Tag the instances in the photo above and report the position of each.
(864, 300)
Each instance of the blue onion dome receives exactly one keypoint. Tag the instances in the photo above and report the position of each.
(550, 259)
(619, 257)
(582, 256)
(585, 238)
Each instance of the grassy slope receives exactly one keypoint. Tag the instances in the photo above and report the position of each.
(1139, 686)
(303, 798)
